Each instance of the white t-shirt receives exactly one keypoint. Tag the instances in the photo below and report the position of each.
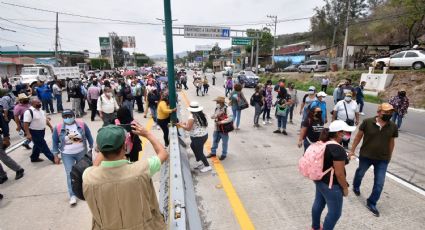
(37, 121)
(73, 140)
(197, 130)
(352, 109)
(325, 81)
(107, 105)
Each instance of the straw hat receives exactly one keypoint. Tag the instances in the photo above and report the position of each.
(220, 99)
(22, 96)
(194, 107)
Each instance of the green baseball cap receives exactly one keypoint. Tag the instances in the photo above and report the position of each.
(110, 138)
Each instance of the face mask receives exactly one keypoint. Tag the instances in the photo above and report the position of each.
(310, 92)
(37, 106)
(386, 117)
(69, 120)
(347, 99)
(345, 136)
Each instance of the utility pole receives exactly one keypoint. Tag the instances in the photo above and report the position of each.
(330, 49)
(170, 57)
(274, 20)
(252, 53)
(256, 58)
(344, 52)
(57, 38)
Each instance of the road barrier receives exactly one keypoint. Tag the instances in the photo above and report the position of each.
(177, 199)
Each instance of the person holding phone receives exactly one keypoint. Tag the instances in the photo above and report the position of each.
(133, 142)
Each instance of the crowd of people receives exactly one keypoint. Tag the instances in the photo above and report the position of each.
(112, 97)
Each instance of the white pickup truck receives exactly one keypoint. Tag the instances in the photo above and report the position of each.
(30, 74)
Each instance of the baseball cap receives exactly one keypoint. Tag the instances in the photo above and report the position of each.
(68, 112)
(110, 138)
(322, 94)
(385, 107)
(311, 88)
(339, 125)
(349, 94)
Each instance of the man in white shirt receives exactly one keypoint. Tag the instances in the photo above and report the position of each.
(325, 83)
(107, 106)
(35, 122)
(347, 110)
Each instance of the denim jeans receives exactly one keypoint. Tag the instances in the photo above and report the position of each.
(40, 145)
(69, 160)
(291, 112)
(228, 91)
(379, 170)
(397, 119)
(257, 113)
(197, 146)
(129, 105)
(333, 198)
(266, 113)
(46, 104)
(281, 122)
(360, 102)
(153, 109)
(217, 136)
(59, 106)
(236, 115)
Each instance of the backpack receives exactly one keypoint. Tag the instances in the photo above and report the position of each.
(229, 84)
(311, 163)
(76, 175)
(128, 138)
(79, 122)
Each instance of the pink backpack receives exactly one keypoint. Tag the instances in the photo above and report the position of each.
(311, 163)
(128, 140)
(78, 121)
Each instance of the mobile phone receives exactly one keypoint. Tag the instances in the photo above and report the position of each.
(127, 127)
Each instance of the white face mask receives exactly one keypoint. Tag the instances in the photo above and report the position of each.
(348, 99)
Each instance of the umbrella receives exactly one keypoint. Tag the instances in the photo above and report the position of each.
(162, 79)
(130, 73)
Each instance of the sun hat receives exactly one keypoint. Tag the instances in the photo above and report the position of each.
(385, 107)
(194, 107)
(349, 94)
(110, 138)
(220, 99)
(339, 125)
(311, 88)
(22, 96)
(322, 94)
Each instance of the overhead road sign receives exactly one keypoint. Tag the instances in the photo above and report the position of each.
(104, 42)
(207, 32)
(241, 41)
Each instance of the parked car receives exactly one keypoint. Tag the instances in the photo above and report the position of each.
(291, 68)
(247, 79)
(313, 66)
(409, 58)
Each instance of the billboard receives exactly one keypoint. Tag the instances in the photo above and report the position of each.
(104, 42)
(212, 32)
(128, 41)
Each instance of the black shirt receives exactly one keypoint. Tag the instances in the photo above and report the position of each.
(333, 152)
(281, 91)
(314, 128)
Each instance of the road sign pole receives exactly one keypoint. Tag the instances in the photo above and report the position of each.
(252, 53)
(170, 57)
(256, 58)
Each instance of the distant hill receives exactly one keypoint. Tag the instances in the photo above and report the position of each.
(286, 39)
(163, 56)
(10, 48)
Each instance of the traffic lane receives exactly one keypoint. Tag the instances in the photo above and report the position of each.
(43, 187)
(263, 169)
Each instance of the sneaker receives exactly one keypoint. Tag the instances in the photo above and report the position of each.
(211, 155)
(373, 209)
(222, 157)
(199, 166)
(73, 201)
(264, 123)
(19, 174)
(27, 146)
(284, 133)
(362, 114)
(277, 131)
(3, 179)
(356, 192)
(206, 169)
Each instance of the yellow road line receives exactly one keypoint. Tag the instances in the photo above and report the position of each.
(144, 140)
(237, 206)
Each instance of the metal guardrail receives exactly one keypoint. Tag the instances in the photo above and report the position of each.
(177, 199)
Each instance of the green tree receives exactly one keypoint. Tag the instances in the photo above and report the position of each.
(99, 63)
(117, 50)
(413, 17)
(265, 42)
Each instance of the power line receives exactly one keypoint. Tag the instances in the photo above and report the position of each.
(24, 25)
(2, 28)
(81, 16)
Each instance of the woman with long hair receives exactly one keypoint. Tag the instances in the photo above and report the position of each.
(124, 118)
(311, 128)
(257, 100)
(235, 97)
(334, 157)
(197, 125)
(163, 116)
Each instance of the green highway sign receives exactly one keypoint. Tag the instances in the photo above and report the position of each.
(241, 41)
(104, 42)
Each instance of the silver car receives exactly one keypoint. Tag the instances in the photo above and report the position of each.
(313, 66)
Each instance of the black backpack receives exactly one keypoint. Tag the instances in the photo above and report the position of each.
(76, 175)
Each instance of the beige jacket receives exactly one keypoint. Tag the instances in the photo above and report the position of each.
(122, 196)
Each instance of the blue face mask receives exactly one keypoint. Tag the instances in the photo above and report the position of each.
(69, 121)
